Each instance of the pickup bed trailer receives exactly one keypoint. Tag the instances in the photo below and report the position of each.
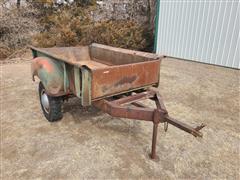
(111, 79)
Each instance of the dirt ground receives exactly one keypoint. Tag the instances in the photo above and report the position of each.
(92, 145)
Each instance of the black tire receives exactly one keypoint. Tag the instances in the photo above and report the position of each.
(54, 110)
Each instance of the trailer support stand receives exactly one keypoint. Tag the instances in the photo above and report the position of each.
(154, 141)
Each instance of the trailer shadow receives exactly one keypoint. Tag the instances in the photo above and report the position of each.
(98, 118)
(122, 131)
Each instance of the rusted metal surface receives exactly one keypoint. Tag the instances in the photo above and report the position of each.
(105, 55)
(111, 71)
(194, 131)
(153, 154)
(118, 56)
(116, 79)
(70, 55)
(124, 111)
(128, 107)
(134, 98)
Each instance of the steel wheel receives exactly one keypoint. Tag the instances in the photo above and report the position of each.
(51, 106)
(45, 101)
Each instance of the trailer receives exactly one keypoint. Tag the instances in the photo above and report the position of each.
(114, 80)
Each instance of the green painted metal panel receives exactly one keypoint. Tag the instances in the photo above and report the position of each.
(77, 81)
(66, 79)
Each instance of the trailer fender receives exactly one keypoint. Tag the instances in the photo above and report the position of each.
(51, 74)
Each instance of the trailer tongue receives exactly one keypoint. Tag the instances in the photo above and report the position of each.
(129, 107)
(112, 79)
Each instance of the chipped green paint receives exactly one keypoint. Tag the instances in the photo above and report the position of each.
(34, 53)
(65, 77)
(51, 73)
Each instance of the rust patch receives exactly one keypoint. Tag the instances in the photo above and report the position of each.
(104, 89)
(46, 65)
(125, 80)
(39, 63)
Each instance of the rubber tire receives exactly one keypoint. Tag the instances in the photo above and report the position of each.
(55, 106)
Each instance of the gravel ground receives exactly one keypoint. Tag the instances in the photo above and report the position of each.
(90, 144)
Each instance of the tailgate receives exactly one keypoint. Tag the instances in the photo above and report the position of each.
(124, 78)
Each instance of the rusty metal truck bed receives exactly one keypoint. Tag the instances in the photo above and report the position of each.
(111, 70)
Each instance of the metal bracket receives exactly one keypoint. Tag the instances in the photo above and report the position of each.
(65, 77)
(86, 86)
(77, 81)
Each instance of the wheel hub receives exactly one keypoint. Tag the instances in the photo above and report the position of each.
(45, 101)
